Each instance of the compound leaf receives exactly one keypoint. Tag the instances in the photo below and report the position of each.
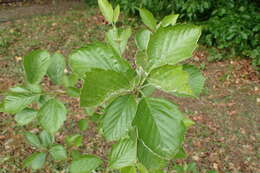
(148, 19)
(56, 68)
(85, 164)
(35, 161)
(25, 116)
(58, 152)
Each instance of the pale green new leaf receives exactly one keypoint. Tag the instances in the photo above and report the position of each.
(123, 154)
(171, 79)
(149, 159)
(169, 20)
(160, 126)
(56, 68)
(74, 140)
(46, 139)
(116, 13)
(118, 117)
(19, 98)
(142, 39)
(100, 84)
(85, 164)
(106, 9)
(25, 116)
(35, 161)
(98, 55)
(52, 115)
(141, 60)
(58, 152)
(83, 124)
(129, 169)
(35, 65)
(172, 44)
(33, 139)
(118, 39)
(148, 18)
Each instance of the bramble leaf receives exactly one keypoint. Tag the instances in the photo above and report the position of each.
(56, 68)
(25, 116)
(85, 164)
(35, 161)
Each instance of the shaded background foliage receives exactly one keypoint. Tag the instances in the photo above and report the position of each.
(233, 25)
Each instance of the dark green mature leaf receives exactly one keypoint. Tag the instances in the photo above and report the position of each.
(107, 10)
(2, 107)
(173, 44)
(46, 139)
(119, 116)
(149, 159)
(33, 139)
(74, 140)
(18, 98)
(35, 161)
(169, 20)
(196, 79)
(25, 116)
(99, 56)
(56, 68)
(85, 164)
(160, 126)
(123, 154)
(58, 152)
(35, 65)
(142, 39)
(148, 19)
(100, 84)
(52, 115)
(118, 39)
(171, 79)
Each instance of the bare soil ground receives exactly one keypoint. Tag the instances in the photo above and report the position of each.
(225, 137)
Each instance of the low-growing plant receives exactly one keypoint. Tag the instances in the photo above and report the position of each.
(147, 132)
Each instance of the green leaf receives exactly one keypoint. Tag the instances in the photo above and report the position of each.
(70, 80)
(46, 139)
(181, 154)
(2, 107)
(129, 169)
(116, 14)
(35, 65)
(75, 154)
(25, 116)
(58, 152)
(73, 91)
(56, 68)
(141, 60)
(148, 90)
(118, 117)
(74, 140)
(118, 39)
(141, 168)
(171, 79)
(100, 84)
(149, 159)
(83, 124)
(173, 44)
(148, 19)
(35, 161)
(106, 9)
(188, 122)
(99, 56)
(123, 154)
(160, 126)
(169, 20)
(142, 39)
(52, 115)
(33, 139)
(196, 79)
(85, 164)
(18, 98)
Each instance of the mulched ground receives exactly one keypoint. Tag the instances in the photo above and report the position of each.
(225, 137)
